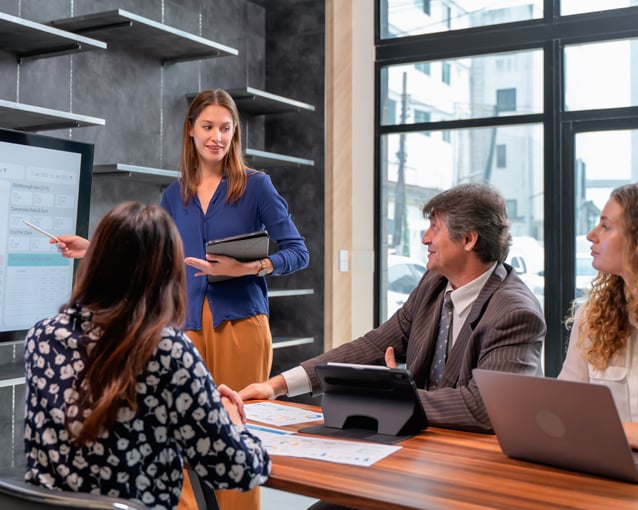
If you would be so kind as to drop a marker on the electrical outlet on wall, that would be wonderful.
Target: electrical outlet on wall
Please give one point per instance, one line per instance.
(343, 261)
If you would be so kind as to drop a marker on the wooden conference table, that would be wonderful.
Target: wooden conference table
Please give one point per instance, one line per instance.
(448, 469)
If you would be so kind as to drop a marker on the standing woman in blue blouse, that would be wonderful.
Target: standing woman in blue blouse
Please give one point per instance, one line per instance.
(218, 196)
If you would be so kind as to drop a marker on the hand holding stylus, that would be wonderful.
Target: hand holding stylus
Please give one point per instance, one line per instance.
(72, 246)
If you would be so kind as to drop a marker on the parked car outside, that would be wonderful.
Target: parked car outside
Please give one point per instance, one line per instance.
(527, 257)
(404, 273)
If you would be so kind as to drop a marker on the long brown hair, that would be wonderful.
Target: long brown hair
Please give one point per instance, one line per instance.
(234, 166)
(612, 300)
(132, 279)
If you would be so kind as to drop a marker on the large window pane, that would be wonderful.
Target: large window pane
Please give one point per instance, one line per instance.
(601, 75)
(604, 160)
(582, 6)
(400, 18)
(474, 87)
(416, 166)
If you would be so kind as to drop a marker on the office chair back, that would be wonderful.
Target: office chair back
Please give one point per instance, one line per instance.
(19, 495)
(204, 495)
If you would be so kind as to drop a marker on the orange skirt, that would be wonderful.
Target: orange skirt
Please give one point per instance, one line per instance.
(237, 354)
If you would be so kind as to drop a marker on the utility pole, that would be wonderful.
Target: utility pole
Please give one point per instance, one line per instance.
(399, 199)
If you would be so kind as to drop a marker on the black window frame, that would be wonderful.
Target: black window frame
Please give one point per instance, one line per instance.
(550, 34)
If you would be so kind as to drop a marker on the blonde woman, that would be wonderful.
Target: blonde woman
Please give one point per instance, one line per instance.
(603, 346)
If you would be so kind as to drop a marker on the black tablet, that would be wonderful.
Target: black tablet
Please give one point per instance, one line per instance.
(369, 402)
(243, 247)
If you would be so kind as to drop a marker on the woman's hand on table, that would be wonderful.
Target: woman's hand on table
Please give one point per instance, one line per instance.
(233, 404)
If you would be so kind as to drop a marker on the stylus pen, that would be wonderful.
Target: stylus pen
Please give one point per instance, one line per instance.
(42, 231)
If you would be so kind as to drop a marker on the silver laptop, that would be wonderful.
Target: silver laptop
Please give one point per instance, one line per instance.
(560, 423)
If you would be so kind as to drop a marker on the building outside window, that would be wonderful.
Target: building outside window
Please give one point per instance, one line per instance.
(447, 16)
(505, 100)
(501, 155)
(446, 73)
(423, 67)
(390, 112)
(418, 17)
(422, 116)
(494, 107)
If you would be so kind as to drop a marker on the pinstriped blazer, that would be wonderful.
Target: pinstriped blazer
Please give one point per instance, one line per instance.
(504, 331)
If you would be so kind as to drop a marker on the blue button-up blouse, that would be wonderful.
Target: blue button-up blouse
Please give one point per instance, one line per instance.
(261, 207)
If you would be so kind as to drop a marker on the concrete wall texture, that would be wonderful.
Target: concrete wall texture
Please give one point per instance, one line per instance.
(281, 46)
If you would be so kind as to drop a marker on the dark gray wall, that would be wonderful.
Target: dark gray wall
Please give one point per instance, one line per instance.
(281, 50)
(295, 42)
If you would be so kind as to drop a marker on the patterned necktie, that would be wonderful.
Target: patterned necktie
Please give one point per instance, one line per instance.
(441, 348)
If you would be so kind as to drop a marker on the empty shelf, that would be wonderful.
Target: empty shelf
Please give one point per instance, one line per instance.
(281, 342)
(11, 374)
(261, 160)
(28, 39)
(272, 293)
(27, 117)
(166, 43)
(136, 173)
(258, 102)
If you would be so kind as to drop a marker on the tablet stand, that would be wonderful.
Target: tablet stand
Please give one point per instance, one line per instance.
(372, 414)
(379, 420)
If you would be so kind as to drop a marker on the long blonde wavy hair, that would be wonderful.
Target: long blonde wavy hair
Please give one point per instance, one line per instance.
(612, 301)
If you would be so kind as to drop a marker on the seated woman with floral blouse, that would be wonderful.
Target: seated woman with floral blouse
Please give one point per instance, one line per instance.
(118, 399)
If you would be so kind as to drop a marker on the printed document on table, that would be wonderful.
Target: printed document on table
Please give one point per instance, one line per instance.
(281, 442)
(278, 414)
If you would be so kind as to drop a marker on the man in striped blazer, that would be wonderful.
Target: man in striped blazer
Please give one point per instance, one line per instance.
(496, 322)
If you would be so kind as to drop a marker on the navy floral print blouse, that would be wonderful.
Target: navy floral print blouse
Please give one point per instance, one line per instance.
(179, 418)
